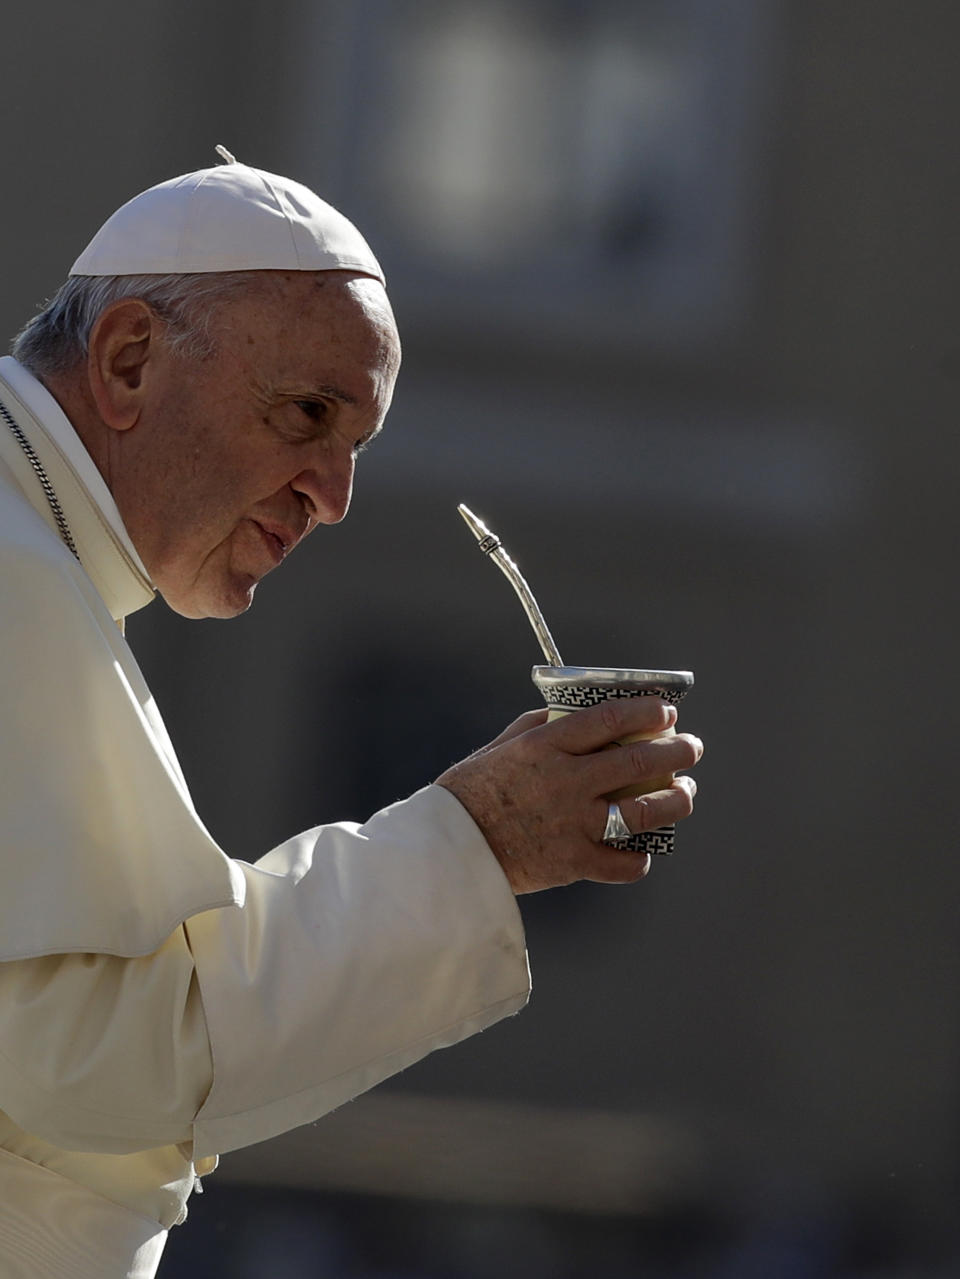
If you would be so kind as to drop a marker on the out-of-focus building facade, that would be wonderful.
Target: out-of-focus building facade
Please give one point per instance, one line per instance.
(677, 283)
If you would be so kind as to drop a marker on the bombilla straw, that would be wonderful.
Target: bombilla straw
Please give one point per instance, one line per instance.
(490, 545)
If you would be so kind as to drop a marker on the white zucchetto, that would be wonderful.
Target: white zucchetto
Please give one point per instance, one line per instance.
(226, 218)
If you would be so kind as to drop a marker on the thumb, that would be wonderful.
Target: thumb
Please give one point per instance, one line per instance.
(522, 724)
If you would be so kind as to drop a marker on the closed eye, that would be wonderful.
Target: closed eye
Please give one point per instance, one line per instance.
(315, 410)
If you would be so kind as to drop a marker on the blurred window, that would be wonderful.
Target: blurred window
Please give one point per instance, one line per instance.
(583, 149)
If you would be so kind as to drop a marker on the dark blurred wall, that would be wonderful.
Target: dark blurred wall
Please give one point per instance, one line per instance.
(772, 506)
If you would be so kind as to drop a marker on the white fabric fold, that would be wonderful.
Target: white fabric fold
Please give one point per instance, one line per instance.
(103, 850)
(159, 1001)
(393, 973)
(54, 426)
(52, 1228)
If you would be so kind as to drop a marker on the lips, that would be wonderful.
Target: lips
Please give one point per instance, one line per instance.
(278, 541)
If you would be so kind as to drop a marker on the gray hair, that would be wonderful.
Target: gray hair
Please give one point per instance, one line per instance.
(58, 337)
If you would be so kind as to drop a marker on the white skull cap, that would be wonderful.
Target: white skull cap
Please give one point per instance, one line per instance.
(228, 218)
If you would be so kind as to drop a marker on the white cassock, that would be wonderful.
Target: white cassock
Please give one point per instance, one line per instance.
(161, 1003)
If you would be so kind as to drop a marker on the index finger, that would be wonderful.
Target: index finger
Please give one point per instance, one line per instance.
(583, 731)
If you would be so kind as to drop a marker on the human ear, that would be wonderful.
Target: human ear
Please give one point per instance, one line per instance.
(120, 348)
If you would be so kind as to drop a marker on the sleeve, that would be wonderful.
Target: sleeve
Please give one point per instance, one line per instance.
(358, 950)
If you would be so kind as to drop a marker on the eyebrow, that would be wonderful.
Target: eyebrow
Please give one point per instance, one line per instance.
(335, 393)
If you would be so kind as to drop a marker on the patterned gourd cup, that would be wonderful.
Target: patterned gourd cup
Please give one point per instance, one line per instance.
(568, 688)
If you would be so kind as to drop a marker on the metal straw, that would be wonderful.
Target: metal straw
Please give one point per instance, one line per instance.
(490, 545)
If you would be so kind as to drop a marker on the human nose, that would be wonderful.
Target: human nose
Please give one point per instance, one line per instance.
(327, 489)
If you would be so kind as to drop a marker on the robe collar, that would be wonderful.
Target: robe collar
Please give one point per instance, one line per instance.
(103, 544)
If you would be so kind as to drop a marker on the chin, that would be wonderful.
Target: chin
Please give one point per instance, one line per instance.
(197, 604)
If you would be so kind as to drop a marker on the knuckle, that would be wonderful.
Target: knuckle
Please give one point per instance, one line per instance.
(686, 750)
(684, 800)
(641, 763)
(644, 815)
(612, 716)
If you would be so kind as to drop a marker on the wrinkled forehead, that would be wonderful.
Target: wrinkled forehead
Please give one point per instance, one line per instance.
(310, 320)
(291, 299)
(346, 308)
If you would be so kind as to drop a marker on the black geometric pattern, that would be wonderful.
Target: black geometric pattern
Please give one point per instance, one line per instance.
(579, 695)
(659, 843)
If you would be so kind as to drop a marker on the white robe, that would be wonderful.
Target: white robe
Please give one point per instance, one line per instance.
(161, 1003)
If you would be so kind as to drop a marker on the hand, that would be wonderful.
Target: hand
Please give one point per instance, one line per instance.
(538, 791)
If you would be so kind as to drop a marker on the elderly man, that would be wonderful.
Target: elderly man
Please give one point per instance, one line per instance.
(185, 411)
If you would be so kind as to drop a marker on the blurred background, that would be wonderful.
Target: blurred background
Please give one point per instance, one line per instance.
(677, 283)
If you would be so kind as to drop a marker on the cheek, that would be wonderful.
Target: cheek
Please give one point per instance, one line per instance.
(201, 512)
(219, 466)
(223, 483)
